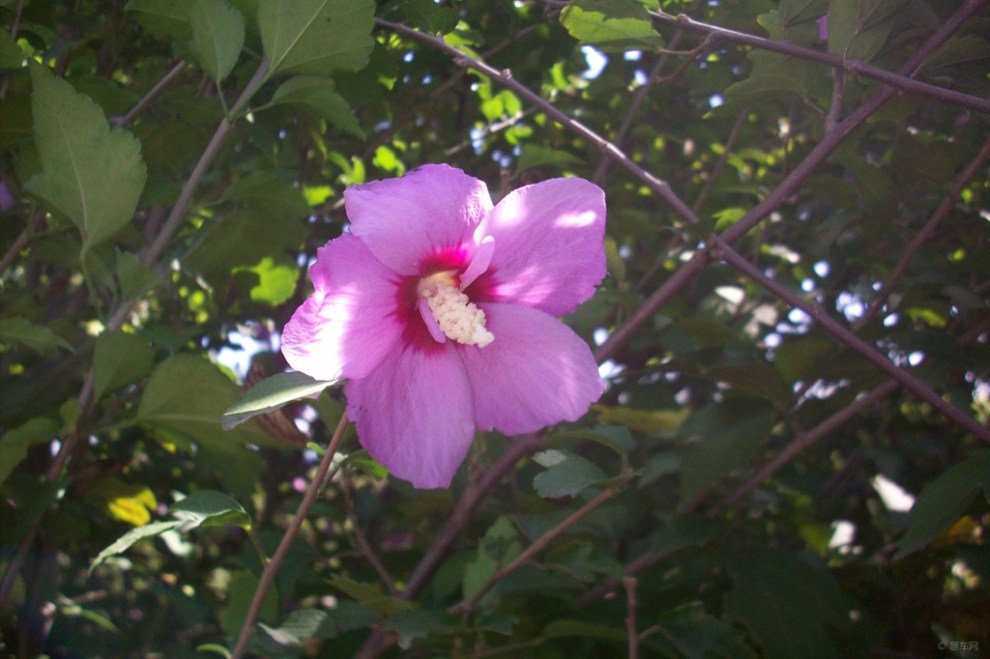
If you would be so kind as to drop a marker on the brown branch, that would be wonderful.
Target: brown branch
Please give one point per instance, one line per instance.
(908, 381)
(538, 545)
(926, 231)
(625, 332)
(362, 540)
(272, 567)
(898, 80)
(810, 438)
(146, 100)
(629, 583)
(22, 239)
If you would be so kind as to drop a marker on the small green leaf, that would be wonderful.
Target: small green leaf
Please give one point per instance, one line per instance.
(497, 548)
(363, 461)
(943, 501)
(37, 337)
(15, 443)
(317, 95)
(206, 508)
(163, 19)
(370, 596)
(11, 56)
(124, 542)
(91, 174)
(426, 15)
(217, 36)
(616, 25)
(534, 155)
(215, 648)
(120, 358)
(270, 394)
(316, 36)
(568, 477)
(297, 627)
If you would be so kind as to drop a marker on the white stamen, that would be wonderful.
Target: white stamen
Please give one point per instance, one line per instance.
(458, 317)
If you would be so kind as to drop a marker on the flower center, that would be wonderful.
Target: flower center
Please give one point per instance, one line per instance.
(453, 314)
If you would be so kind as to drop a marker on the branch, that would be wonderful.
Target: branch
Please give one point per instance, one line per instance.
(629, 583)
(362, 540)
(272, 567)
(661, 188)
(469, 603)
(22, 239)
(898, 80)
(146, 100)
(625, 332)
(922, 236)
(908, 381)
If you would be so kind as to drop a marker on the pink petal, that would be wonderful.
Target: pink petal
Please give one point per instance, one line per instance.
(351, 320)
(414, 413)
(548, 246)
(535, 373)
(404, 221)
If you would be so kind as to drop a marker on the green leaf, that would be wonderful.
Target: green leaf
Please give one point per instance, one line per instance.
(11, 55)
(120, 358)
(568, 476)
(164, 19)
(427, 16)
(858, 29)
(497, 548)
(534, 155)
(316, 36)
(266, 192)
(217, 36)
(206, 508)
(317, 95)
(270, 394)
(276, 283)
(297, 627)
(91, 174)
(787, 605)
(124, 542)
(615, 25)
(371, 596)
(37, 337)
(215, 648)
(15, 443)
(724, 437)
(581, 629)
(694, 634)
(363, 461)
(943, 501)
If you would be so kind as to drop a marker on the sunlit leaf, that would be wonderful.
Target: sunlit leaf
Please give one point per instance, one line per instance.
(125, 541)
(316, 36)
(206, 508)
(610, 24)
(270, 394)
(92, 174)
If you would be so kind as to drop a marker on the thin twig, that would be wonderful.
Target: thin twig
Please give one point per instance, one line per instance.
(272, 567)
(146, 100)
(925, 233)
(538, 545)
(629, 583)
(713, 175)
(810, 438)
(178, 213)
(22, 239)
(819, 315)
(362, 540)
(624, 333)
(897, 80)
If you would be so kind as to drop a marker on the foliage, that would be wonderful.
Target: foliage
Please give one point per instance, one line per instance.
(794, 330)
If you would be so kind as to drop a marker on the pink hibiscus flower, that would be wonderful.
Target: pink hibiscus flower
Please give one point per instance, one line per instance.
(439, 309)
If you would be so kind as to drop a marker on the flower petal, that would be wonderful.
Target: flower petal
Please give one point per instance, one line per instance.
(352, 318)
(548, 246)
(535, 373)
(405, 220)
(414, 414)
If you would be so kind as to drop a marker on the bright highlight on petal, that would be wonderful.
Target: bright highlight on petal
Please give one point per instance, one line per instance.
(440, 311)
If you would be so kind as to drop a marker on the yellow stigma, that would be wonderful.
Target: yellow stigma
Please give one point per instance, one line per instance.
(459, 318)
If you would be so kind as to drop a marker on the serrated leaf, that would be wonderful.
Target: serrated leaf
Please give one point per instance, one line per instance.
(270, 394)
(164, 19)
(91, 174)
(316, 36)
(206, 508)
(217, 36)
(124, 542)
(858, 29)
(317, 95)
(943, 501)
(615, 25)
(427, 15)
(118, 359)
(297, 627)
(37, 337)
(15, 443)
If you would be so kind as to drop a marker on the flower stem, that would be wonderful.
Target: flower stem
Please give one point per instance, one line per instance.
(273, 565)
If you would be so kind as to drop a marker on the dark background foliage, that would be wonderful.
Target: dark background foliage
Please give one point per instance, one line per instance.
(790, 459)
